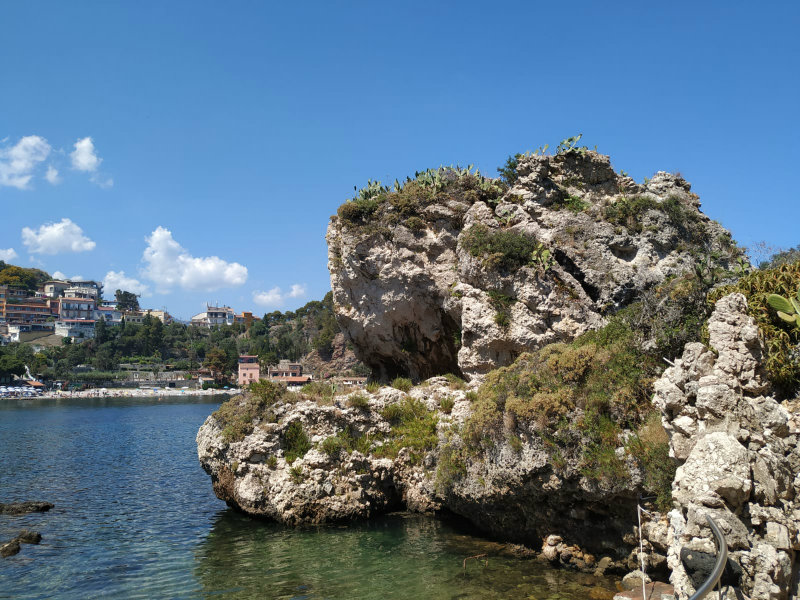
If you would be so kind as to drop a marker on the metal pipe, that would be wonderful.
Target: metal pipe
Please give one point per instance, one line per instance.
(719, 566)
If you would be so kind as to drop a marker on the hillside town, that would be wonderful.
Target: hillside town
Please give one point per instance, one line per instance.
(62, 335)
(72, 309)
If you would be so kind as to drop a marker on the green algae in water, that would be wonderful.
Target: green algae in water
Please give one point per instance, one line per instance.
(399, 556)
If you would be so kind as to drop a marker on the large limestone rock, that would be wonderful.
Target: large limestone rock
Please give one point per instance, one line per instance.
(512, 492)
(739, 454)
(415, 302)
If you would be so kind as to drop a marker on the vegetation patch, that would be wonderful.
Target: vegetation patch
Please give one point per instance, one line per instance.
(320, 391)
(333, 446)
(578, 397)
(238, 415)
(376, 207)
(414, 427)
(402, 383)
(781, 338)
(502, 307)
(358, 401)
(295, 442)
(451, 466)
(456, 383)
(505, 250)
(628, 212)
(572, 203)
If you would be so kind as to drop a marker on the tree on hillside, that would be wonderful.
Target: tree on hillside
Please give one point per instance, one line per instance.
(126, 300)
(29, 279)
(11, 365)
(216, 362)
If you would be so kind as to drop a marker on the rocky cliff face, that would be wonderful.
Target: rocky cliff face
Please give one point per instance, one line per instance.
(463, 274)
(739, 456)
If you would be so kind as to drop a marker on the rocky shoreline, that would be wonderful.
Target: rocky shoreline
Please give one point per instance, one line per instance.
(738, 451)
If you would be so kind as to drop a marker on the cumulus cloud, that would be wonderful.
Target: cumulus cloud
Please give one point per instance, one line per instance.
(7, 254)
(52, 175)
(168, 264)
(54, 238)
(18, 162)
(117, 280)
(61, 277)
(85, 158)
(275, 297)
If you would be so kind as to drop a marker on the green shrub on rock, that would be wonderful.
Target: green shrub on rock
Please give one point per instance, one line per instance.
(358, 401)
(295, 442)
(238, 415)
(505, 250)
(402, 383)
(781, 338)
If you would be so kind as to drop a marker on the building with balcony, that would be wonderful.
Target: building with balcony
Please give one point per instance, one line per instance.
(285, 369)
(161, 315)
(214, 316)
(74, 307)
(76, 329)
(20, 306)
(109, 314)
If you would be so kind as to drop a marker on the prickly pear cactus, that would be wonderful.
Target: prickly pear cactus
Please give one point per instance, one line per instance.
(788, 309)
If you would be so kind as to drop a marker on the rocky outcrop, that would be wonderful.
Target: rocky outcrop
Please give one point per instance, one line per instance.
(255, 476)
(512, 492)
(23, 508)
(25, 536)
(739, 458)
(416, 300)
(341, 359)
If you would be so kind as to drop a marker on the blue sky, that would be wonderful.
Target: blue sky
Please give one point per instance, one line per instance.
(200, 147)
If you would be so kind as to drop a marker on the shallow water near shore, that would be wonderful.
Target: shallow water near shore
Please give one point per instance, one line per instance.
(135, 517)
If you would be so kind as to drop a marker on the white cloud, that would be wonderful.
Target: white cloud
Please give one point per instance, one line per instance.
(18, 162)
(106, 183)
(61, 277)
(54, 238)
(119, 281)
(8, 254)
(298, 290)
(275, 297)
(168, 264)
(271, 298)
(84, 157)
(52, 175)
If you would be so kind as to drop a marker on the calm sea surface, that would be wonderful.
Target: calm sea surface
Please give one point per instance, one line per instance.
(135, 517)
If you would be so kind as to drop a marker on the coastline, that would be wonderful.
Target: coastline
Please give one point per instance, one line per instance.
(122, 393)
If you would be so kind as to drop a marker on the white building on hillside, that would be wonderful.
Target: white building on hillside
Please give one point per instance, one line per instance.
(214, 316)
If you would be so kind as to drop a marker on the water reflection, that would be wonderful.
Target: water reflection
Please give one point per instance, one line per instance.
(398, 556)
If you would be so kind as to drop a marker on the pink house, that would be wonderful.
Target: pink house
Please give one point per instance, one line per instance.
(249, 370)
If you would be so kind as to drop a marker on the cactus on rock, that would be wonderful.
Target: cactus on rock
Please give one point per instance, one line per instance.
(788, 309)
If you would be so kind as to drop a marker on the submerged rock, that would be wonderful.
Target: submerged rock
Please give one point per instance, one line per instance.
(24, 537)
(23, 508)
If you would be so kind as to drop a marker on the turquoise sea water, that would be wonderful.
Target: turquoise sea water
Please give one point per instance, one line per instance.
(135, 517)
